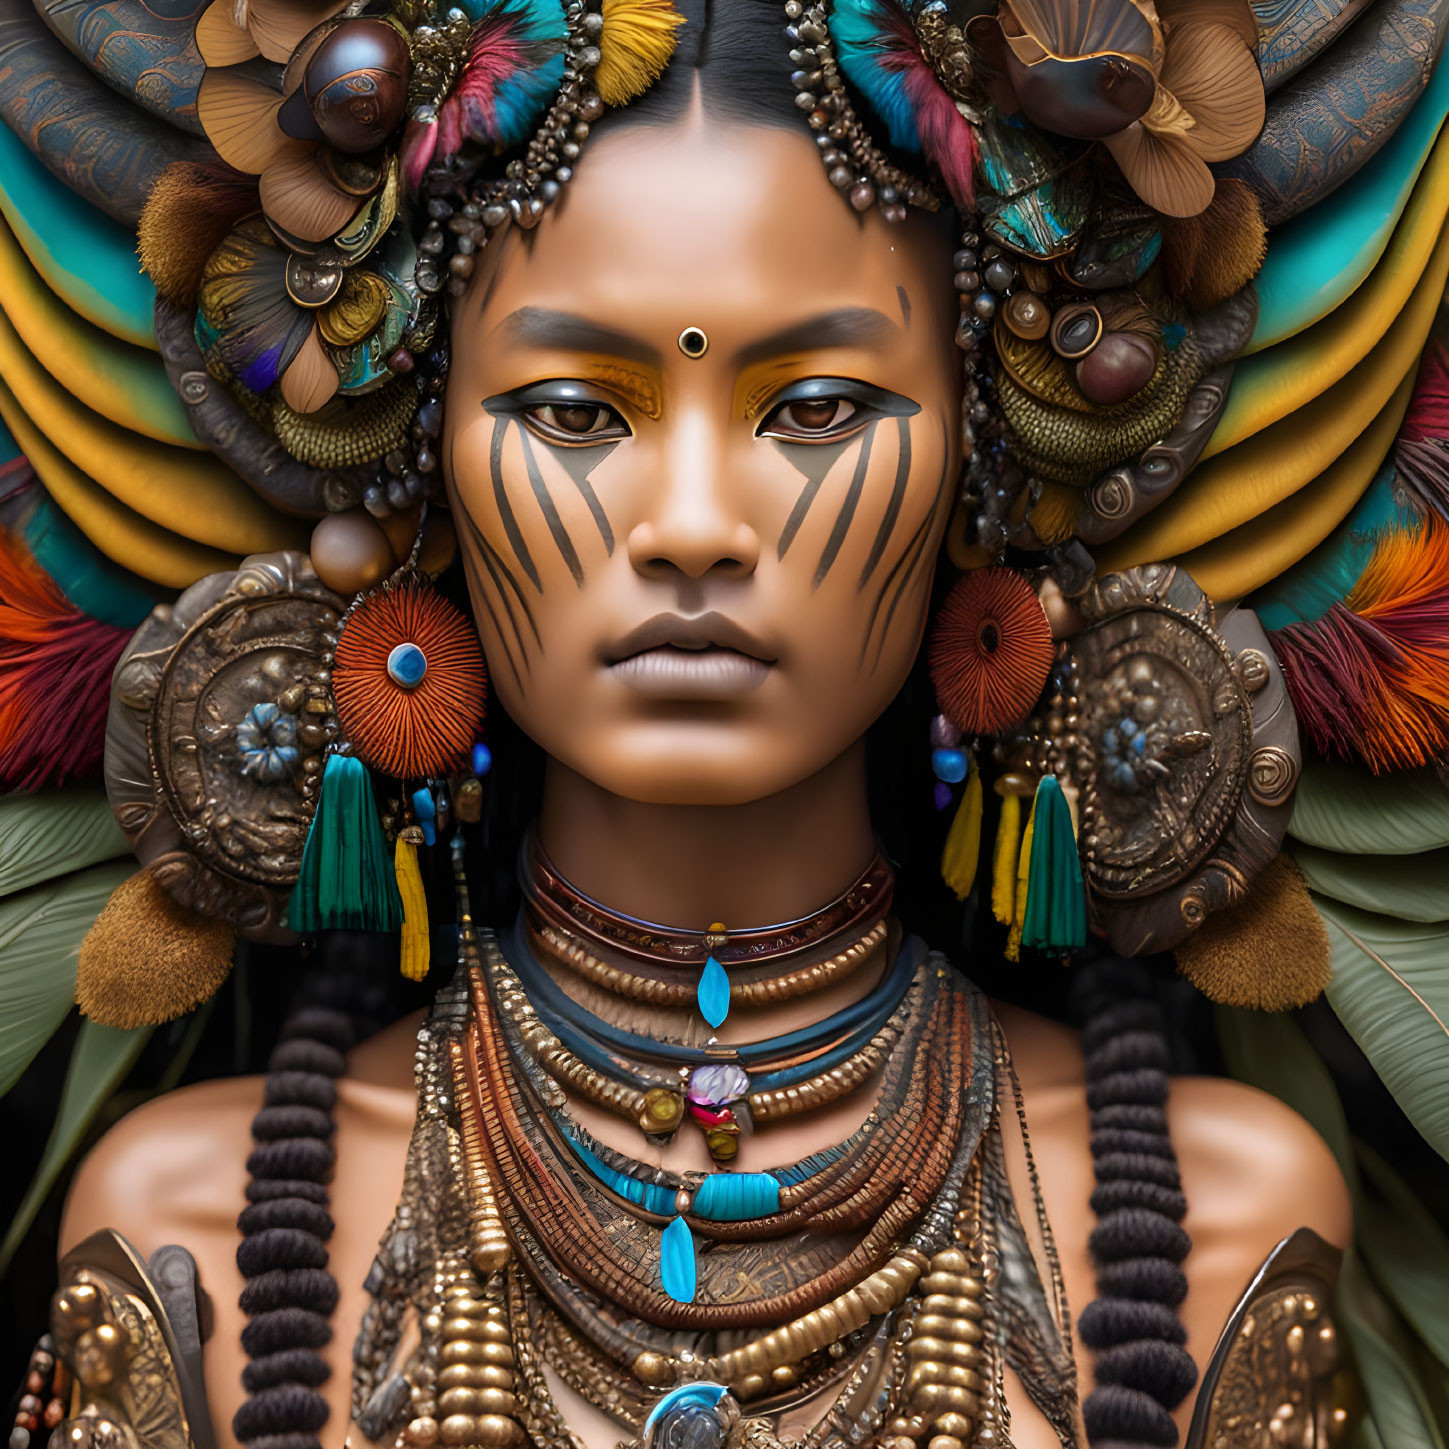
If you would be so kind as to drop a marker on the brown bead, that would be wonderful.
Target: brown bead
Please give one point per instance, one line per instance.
(350, 552)
(421, 1432)
(945, 1441)
(496, 1432)
(663, 1111)
(1120, 366)
(356, 83)
(54, 1413)
(1027, 316)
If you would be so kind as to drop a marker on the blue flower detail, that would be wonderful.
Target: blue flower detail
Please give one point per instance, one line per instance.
(1125, 753)
(266, 740)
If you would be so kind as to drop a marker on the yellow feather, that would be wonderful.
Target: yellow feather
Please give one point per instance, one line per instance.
(962, 850)
(637, 41)
(416, 948)
(1003, 869)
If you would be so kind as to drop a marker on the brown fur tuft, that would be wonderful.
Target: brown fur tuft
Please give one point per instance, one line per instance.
(1209, 257)
(191, 208)
(1269, 953)
(149, 959)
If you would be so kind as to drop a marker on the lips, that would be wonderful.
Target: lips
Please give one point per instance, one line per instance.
(704, 657)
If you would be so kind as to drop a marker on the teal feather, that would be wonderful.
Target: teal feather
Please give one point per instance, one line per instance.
(1309, 589)
(861, 30)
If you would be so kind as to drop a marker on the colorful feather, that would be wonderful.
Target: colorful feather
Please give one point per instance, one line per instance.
(882, 57)
(1370, 679)
(55, 677)
(1422, 451)
(514, 68)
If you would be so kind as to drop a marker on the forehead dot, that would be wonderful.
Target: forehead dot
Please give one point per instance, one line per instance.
(693, 342)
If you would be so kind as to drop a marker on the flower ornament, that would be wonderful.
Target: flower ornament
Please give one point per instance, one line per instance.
(1166, 87)
(266, 740)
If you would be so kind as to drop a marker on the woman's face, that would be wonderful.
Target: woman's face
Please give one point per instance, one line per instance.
(699, 578)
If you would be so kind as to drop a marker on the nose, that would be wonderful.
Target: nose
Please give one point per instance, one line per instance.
(692, 523)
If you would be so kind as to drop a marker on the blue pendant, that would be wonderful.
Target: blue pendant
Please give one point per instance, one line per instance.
(677, 1267)
(714, 993)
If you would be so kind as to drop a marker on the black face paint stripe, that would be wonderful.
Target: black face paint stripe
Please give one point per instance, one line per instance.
(480, 593)
(847, 508)
(496, 566)
(505, 508)
(579, 464)
(814, 462)
(893, 507)
(562, 541)
(904, 298)
(921, 529)
(918, 552)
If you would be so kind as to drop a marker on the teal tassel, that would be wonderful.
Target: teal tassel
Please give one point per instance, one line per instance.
(347, 881)
(1056, 903)
(677, 1267)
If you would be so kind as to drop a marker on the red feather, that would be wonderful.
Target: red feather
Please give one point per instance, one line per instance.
(1421, 454)
(55, 677)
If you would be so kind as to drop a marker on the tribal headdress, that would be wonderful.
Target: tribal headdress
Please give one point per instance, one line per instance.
(1201, 269)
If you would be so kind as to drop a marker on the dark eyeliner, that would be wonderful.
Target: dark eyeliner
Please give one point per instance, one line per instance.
(560, 392)
(864, 394)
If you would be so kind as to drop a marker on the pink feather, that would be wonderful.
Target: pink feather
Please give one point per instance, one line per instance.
(947, 139)
(420, 142)
(495, 55)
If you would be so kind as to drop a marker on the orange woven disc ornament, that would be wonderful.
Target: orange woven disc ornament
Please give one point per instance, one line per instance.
(991, 651)
(408, 680)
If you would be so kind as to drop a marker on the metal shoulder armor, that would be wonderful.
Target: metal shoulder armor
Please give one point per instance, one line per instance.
(131, 1333)
(1272, 1378)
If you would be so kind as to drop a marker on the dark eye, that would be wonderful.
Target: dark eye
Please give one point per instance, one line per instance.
(812, 419)
(576, 422)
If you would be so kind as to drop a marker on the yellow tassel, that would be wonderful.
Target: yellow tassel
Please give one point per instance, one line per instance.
(1003, 866)
(637, 41)
(416, 948)
(1023, 871)
(149, 959)
(962, 851)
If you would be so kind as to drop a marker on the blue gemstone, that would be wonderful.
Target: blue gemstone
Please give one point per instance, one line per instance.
(406, 666)
(952, 766)
(680, 1403)
(677, 1268)
(735, 1197)
(482, 759)
(714, 993)
(427, 813)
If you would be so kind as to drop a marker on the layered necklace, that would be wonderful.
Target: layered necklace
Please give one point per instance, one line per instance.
(874, 1292)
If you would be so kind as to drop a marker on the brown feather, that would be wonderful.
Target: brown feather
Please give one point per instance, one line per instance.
(1209, 257)
(149, 959)
(192, 207)
(1269, 953)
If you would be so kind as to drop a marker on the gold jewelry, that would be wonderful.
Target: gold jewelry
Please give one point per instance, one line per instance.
(569, 950)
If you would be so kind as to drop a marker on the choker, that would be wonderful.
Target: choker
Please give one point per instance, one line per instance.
(552, 901)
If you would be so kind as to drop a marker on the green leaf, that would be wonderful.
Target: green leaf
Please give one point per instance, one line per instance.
(102, 1057)
(1268, 1050)
(1406, 1249)
(54, 833)
(1414, 888)
(1345, 808)
(1390, 989)
(41, 930)
(1396, 1401)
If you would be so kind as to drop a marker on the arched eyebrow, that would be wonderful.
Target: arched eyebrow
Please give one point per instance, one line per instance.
(542, 327)
(845, 327)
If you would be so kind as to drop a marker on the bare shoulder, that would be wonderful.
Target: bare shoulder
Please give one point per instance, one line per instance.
(168, 1171)
(1252, 1168)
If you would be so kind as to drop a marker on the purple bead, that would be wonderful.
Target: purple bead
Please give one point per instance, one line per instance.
(718, 1085)
(944, 734)
(943, 795)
